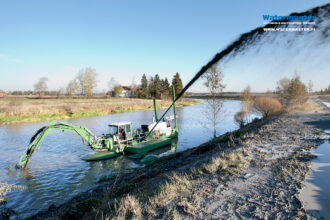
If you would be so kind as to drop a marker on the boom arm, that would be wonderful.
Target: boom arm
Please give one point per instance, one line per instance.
(86, 134)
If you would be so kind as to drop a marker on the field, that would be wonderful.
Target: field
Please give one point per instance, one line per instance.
(229, 96)
(23, 109)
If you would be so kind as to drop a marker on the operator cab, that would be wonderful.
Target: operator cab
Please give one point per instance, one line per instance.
(122, 130)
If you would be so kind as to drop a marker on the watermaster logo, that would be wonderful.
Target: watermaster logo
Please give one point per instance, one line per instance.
(289, 18)
(289, 23)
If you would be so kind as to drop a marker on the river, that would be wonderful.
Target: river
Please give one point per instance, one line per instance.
(316, 193)
(56, 172)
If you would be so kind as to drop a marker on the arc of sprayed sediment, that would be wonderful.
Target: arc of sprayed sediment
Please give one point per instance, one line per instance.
(237, 45)
(217, 58)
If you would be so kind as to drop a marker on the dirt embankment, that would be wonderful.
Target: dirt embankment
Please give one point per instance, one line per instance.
(255, 172)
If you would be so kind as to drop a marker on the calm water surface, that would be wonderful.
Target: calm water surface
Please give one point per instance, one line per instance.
(56, 171)
(316, 193)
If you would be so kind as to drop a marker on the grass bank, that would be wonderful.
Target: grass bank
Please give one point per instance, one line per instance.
(31, 110)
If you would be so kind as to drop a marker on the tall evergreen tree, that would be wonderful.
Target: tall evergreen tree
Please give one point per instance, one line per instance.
(143, 93)
(156, 87)
(151, 88)
(166, 91)
(162, 85)
(177, 83)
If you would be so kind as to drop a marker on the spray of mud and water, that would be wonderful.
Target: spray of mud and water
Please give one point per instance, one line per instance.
(284, 48)
(276, 53)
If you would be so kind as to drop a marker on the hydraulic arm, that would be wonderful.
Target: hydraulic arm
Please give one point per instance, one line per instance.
(94, 142)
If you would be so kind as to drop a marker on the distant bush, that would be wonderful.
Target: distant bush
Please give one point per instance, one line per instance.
(292, 91)
(267, 106)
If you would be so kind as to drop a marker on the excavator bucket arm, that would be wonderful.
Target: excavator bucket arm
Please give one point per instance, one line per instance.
(93, 141)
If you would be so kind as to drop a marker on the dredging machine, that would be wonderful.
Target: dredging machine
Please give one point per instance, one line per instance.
(120, 139)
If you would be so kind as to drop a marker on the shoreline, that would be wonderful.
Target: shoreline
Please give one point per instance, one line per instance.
(57, 116)
(250, 172)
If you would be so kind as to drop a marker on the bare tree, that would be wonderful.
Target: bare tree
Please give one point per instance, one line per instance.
(247, 100)
(112, 83)
(87, 81)
(72, 88)
(310, 87)
(282, 86)
(241, 117)
(213, 81)
(133, 86)
(41, 86)
(61, 91)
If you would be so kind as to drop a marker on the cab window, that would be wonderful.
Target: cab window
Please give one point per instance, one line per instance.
(128, 128)
(113, 130)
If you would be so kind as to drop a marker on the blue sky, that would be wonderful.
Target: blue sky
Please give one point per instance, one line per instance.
(123, 39)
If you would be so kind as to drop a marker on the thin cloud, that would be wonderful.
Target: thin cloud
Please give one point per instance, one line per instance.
(7, 57)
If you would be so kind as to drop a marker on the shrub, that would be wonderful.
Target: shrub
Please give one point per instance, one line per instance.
(267, 106)
(240, 118)
(292, 91)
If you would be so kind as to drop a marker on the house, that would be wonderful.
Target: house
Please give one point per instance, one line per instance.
(127, 92)
(2, 93)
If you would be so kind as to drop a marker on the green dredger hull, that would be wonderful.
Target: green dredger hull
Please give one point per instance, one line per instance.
(140, 148)
(101, 156)
(149, 146)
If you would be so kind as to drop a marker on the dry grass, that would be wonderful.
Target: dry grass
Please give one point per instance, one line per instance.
(19, 109)
(223, 162)
(170, 190)
(309, 106)
(177, 189)
(128, 207)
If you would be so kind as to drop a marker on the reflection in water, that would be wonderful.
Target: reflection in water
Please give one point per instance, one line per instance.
(316, 194)
(56, 172)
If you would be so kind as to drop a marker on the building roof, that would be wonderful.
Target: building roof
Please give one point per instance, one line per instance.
(127, 87)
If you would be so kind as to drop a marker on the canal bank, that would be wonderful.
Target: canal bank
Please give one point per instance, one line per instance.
(255, 172)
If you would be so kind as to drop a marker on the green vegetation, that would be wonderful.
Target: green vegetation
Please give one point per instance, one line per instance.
(177, 83)
(292, 91)
(158, 88)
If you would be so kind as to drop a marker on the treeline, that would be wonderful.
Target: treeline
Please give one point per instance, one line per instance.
(84, 84)
(325, 91)
(30, 92)
(158, 88)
